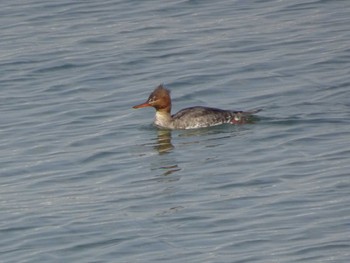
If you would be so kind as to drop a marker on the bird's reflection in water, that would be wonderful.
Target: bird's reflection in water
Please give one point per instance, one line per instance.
(168, 170)
(163, 144)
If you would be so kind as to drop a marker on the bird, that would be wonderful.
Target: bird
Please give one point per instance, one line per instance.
(192, 117)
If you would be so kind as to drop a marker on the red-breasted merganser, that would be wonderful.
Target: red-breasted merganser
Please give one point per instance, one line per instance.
(190, 118)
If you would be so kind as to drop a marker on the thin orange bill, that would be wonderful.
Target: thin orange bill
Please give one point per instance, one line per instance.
(143, 105)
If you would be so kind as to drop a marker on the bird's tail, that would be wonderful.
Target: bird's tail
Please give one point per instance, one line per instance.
(242, 117)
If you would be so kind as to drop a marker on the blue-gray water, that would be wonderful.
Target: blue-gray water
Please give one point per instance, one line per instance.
(85, 178)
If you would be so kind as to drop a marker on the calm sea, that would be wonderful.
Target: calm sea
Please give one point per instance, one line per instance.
(86, 178)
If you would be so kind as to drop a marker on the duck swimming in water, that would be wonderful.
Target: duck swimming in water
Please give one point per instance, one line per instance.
(193, 117)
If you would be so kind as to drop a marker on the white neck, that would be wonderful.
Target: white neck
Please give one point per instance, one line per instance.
(163, 119)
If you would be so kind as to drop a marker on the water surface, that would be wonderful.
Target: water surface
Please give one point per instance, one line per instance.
(85, 178)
